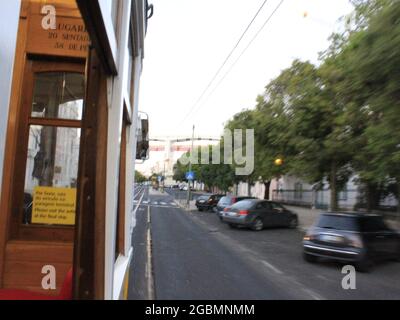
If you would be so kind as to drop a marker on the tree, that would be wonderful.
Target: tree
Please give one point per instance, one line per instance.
(212, 175)
(366, 59)
(305, 126)
(139, 177)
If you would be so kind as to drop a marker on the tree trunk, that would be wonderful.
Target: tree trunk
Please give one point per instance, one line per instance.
(266, 191)
(333, 187)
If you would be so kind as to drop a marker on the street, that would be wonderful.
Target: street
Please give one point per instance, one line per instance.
(192, 255)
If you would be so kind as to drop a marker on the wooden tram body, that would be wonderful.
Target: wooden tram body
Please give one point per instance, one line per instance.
(68, 144)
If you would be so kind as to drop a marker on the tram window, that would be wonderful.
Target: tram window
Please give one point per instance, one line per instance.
(47, 159)
(51, 175)
(58, 95)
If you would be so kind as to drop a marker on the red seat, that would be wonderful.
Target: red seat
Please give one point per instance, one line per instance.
(65, 292)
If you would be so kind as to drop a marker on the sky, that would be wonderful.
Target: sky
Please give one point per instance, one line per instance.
(188, 40)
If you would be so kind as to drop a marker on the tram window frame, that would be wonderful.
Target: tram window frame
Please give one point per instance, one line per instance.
(18, 230)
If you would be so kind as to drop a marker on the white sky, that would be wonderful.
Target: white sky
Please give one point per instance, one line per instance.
(187, 41)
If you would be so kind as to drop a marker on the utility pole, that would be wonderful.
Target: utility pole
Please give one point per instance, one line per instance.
(190, 169)
(163, 181)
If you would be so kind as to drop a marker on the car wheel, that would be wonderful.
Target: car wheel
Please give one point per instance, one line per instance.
(200, 209)
(258, 225)
(293, 223)
(232, 225)
(309, 258)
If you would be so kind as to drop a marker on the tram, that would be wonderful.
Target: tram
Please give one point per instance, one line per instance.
(69, 82)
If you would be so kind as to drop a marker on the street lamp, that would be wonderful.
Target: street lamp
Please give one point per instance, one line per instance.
(278, 161)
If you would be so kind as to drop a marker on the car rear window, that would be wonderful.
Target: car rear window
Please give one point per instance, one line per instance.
(225, 200)
(338, 222)
(244, 204)
(203, 197)
(372, 224)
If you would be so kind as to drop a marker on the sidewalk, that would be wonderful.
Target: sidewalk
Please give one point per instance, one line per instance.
(183, 204)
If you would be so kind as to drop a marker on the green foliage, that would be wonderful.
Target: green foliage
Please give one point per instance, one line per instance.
(139, 177)
(212, 175)
(333, 120)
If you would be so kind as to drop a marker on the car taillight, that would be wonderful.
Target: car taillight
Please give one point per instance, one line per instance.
(243, 212)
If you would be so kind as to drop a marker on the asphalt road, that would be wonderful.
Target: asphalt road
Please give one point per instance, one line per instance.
(195, 256)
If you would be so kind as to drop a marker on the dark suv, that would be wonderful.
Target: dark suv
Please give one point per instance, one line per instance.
(208, 201)
(354, 238)
(228, 201)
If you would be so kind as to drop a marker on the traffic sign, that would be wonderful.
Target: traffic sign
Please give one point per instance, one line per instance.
(190, 175)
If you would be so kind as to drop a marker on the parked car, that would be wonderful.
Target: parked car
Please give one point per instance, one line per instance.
(208, 201)
(354, 238)
(258, 214)
(228, 201)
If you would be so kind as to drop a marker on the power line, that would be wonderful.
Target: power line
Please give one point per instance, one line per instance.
(241, 54)
(226, 60)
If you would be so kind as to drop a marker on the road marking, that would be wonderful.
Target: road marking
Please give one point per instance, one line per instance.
(149, 268)
(270, 266)
(160, 206)
(285, 277)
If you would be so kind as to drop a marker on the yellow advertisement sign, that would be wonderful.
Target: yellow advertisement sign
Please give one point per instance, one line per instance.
(54, 206)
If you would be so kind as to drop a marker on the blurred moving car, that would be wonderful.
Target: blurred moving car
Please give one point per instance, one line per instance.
(359, 239)
(258, 214)
(208, 201)
(228, 201)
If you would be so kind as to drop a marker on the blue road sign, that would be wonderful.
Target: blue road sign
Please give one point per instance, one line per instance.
(190, 175)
